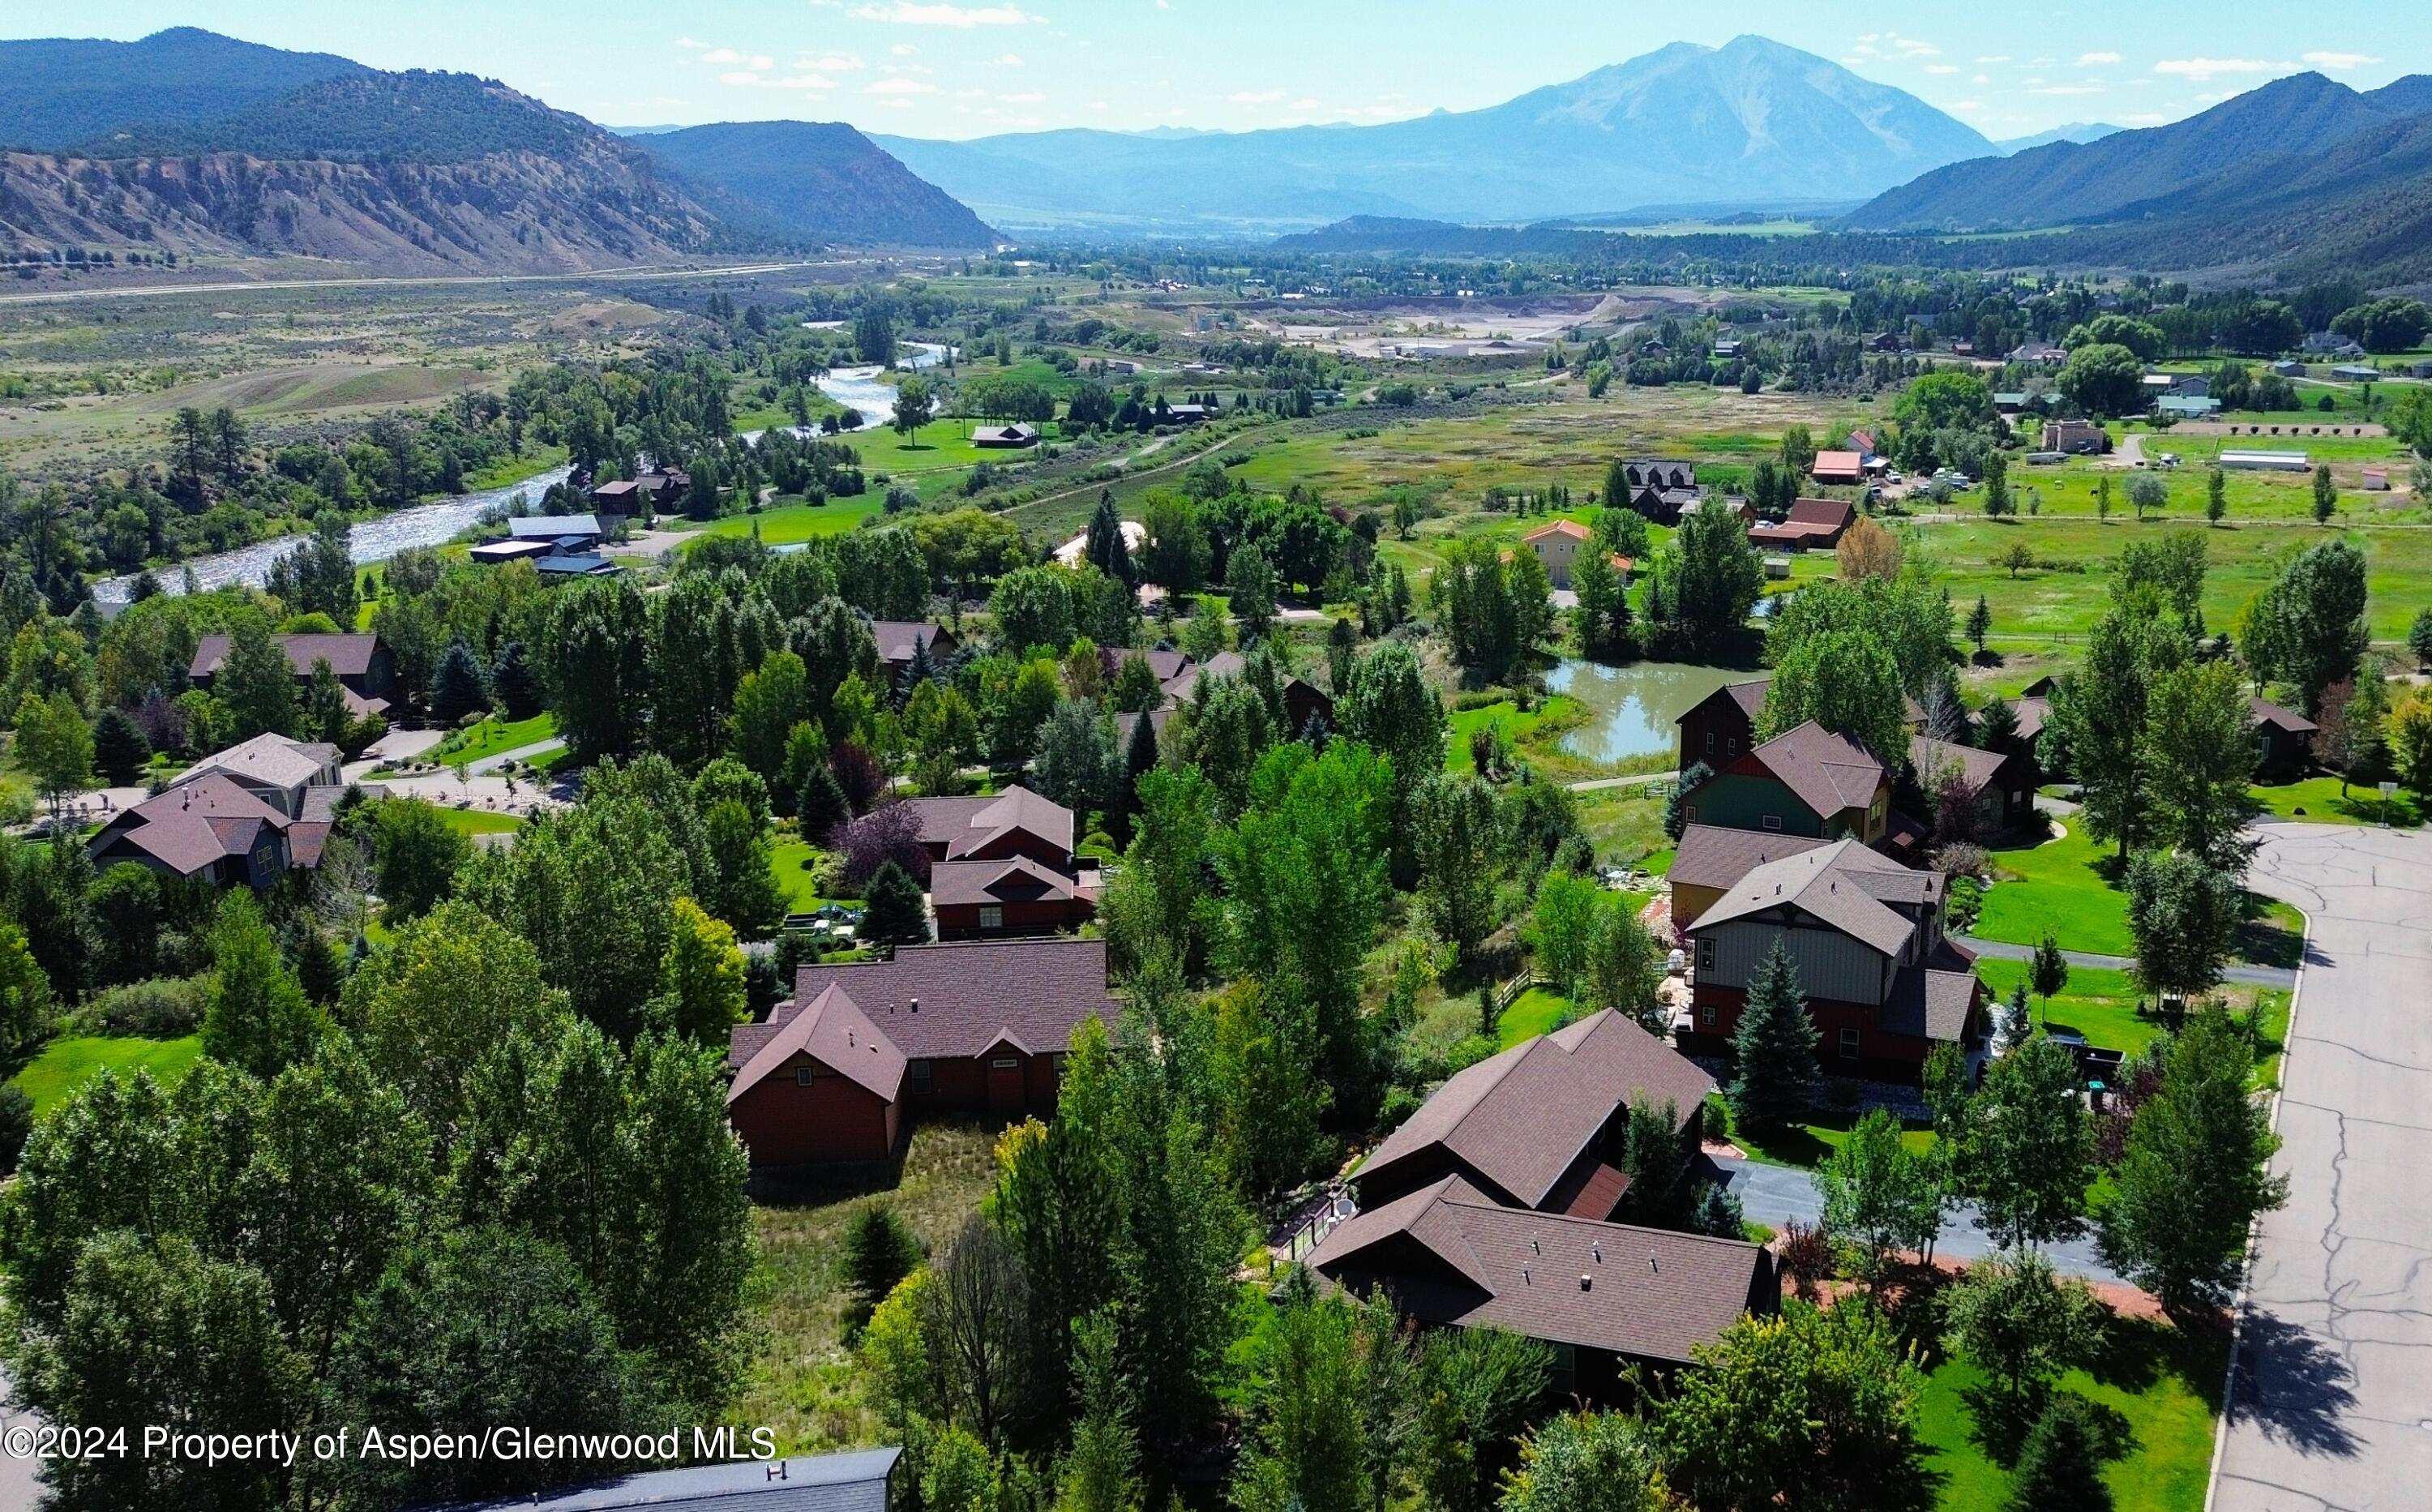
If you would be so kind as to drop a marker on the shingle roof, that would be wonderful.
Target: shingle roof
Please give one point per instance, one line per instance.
(267, 757)
(1749, 696)
(2032, 713)
(1164, 666)
(192, 824)
(1650, 1292)
(1834, 513)
(967, 824)
(1977, 768)
(347, 655)
(1712, 857)
(1521, 1119)
(1571, 528)
(1932, 1000)
(854, 1481)
(1019, 880)
(898, 638)
(1828, 771)
(1843, 885)
(837, 1034)
(956, 1000)
(2267, 712)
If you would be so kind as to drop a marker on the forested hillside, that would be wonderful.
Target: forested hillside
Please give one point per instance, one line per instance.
(58, 91)
(820, 179)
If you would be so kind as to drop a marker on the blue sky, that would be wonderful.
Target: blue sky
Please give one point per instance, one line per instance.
(959, 68)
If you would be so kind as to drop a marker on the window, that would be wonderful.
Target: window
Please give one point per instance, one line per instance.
(1849, 1044)
(1734, 744)
(1706, 954)
(1006, 1062)
(1709, 742)
(805, 1075)
(991, 916)
(1772, 822)
(920, 1074)
(1706, 1015)
(1689, 814)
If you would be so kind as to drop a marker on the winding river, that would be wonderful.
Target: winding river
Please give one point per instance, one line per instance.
(442, 520)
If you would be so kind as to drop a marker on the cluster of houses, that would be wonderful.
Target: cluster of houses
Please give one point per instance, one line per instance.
(557, 545)
(238, 818)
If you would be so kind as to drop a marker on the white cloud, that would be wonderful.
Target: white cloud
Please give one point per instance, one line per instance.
(1009, 60)
(1911, 47)
(1942, 68)
(689, 46)
(830, 62)
(907, 13)
(2204, 68)
(788, 81)
(905, 49)
(970, 94)
(1304, 105)
(721, 55)
(899, 86)
(1260, 97)
(1968, 107)
(1982, 79)
(1995, 57)
(2337, 61)
(2071, 89)
(2096, 59)
(1026, 97)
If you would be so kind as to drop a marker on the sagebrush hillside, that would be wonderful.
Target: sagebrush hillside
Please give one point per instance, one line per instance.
(58, 91)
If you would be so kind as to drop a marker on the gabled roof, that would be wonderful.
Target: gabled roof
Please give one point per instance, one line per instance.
(1650, 1292)
(837, 1034)
(2033, 713)
(347, 655)
(191, 825)
(964, 825)
(1832, 512)
(1571, 528)
(1977, 767)
(1836, 464)
(1019, 880)
(1521, 1119)
(267, 759)
(1842, 885)
(955, 1001)
(1931, 999)
(1749, 696)
(899, 639)
(1828, 772)
(1716, 857)
(1164, 666)
(2267, 712)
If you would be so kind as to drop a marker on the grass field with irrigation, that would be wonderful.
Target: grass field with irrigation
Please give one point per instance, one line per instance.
(69, 1063)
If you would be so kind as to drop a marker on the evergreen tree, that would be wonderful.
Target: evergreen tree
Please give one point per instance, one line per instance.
(514, 682)
(1675, 817)
(119, 748)
(1140, 758)
(1774, 1080)
(1980, 624)
(1106, 550)
(879, 1251)
(256, 681)
(1102, 1471)
(2060, 1464)
(895, 912)
(457, 688)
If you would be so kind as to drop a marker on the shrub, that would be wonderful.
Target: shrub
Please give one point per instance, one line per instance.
(1967, 901)
(1961, 858)
(1806, 1255)
(16, 1125)
(161, 1008)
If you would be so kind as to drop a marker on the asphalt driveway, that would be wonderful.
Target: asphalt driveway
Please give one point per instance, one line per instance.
(2331, 1401)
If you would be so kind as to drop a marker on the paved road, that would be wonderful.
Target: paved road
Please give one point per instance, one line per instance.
(1775, 1195)
(2331, 1406)
(2003, 950)
(20, 1485)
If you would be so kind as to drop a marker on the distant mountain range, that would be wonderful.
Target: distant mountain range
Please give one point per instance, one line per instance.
(2080, 132)
(197, 143)
(825, 182)
(2302, 176)
(1748, 123)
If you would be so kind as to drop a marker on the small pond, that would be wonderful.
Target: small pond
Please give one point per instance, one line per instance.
(1631, 709)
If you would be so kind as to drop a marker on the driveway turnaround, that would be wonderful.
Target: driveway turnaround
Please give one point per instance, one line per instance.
(1776, 1194)
(2330, 1404)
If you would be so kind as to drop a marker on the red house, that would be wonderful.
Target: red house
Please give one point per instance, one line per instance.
(1883, 985)
(993, 899)
(998, 827)
(840, 1074)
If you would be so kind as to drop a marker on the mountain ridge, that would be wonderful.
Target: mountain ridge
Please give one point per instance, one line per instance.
(1748, 121)
(826, 180)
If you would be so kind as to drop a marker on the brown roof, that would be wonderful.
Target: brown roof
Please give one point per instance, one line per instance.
(1019, 880)
(1164, 666)
(955, 1001)
(1648, 1293)
(1832, 514)
(966, 825)
(2033, 713)
(2267, 712)
(1560, 527)
(898, 638)
(1749, 696)
(269, 759)
(192, 824)
(1932, 999)
(1977, 768)
(1828, 772)
(1521, 1119)
(1712, 857)
(1842, 885)
(347, 655)
(837, 1034)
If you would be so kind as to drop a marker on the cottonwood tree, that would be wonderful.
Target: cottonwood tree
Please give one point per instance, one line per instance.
(2100, 714)
(2027, 1148)
(2184, 916)
(2199, 757)
(2195, 1176)
(2307, 629)
(1587, 1462)
(1453, 834)
(2012, 1319)
(1879, 1195)
(1848, 683)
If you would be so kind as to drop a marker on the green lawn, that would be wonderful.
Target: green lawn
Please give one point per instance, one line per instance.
(494, 737)
(2318, 799)
(2164, 1384)
(794, 861)
(785, 524)
(2102, 1006)
(66, 1065)
(480, 821)
(1517, 725)
(1803, 1144)
(2055, 888)
(1538, 1010)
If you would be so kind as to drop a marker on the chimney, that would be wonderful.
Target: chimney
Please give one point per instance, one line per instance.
(1532, 1248)
(1650, 1260)
(776, 1472)
(1586, 1281)
(916, 1005)
(1597, 1250)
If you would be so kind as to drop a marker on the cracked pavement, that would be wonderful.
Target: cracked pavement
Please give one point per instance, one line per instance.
(2331, 1401)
